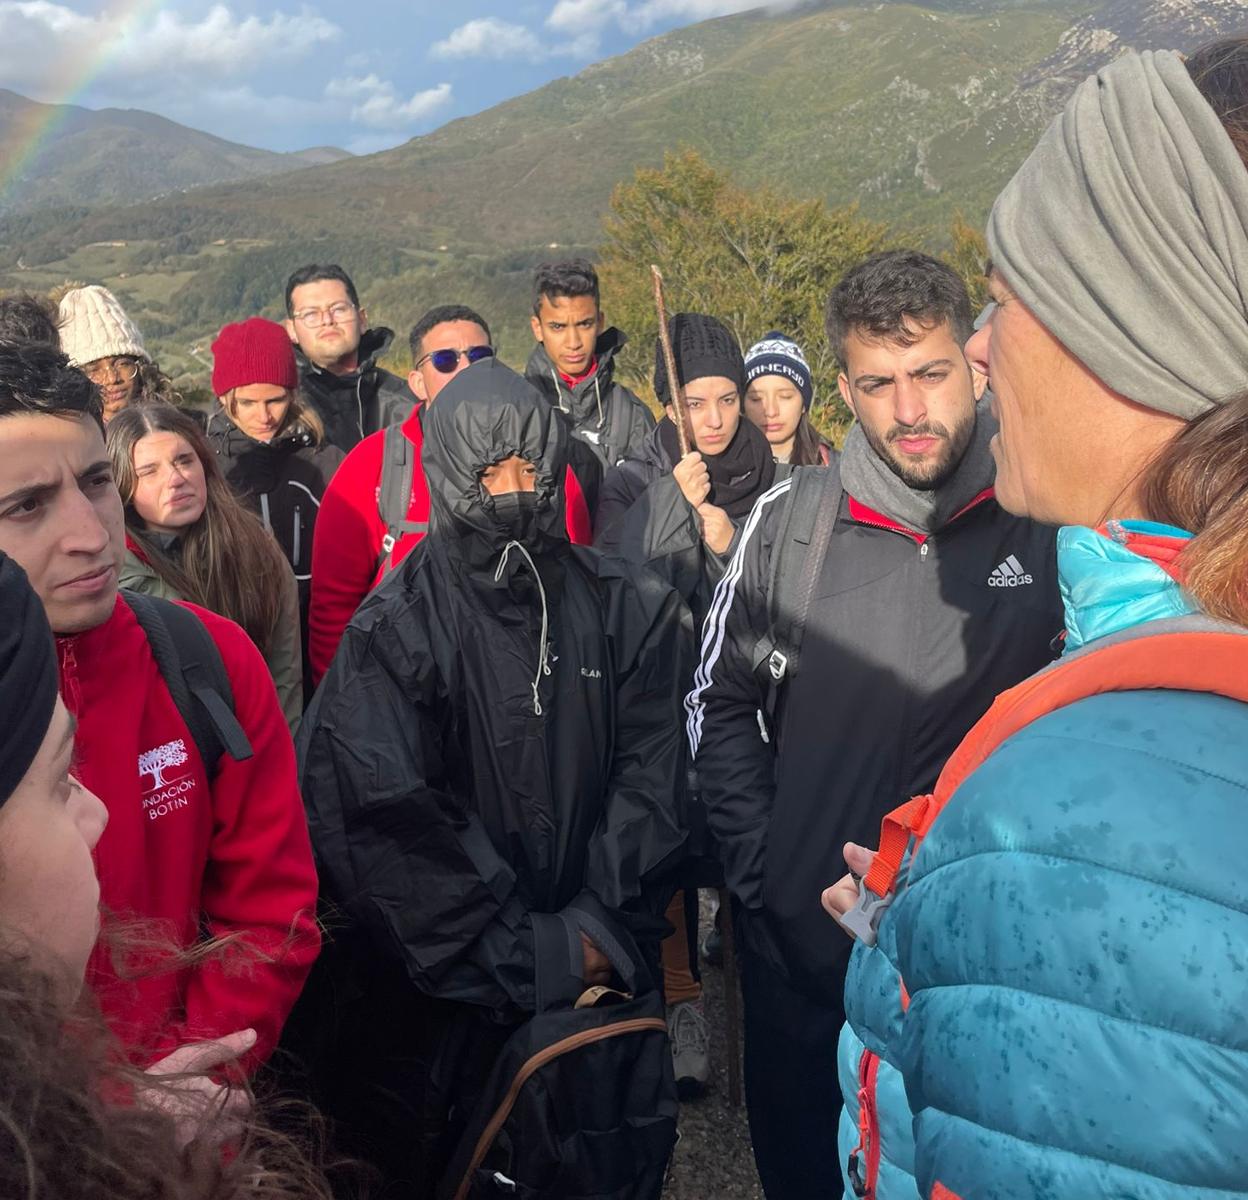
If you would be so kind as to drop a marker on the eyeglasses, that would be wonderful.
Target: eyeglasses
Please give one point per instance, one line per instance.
(335, 314)
(105, 370)
(445, 361)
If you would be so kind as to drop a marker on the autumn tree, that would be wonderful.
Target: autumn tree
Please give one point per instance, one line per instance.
(968, 255)
(755, 258)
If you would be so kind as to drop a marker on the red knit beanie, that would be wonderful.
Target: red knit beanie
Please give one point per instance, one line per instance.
(253, 351)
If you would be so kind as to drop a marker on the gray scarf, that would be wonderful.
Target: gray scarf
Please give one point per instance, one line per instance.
(870, 480)
(1126, 233)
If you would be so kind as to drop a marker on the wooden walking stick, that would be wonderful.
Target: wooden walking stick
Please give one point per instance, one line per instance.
(669, 365)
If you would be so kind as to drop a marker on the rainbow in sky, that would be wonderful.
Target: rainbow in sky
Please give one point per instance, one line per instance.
(64, 82)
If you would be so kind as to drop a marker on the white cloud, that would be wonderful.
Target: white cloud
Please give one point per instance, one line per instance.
(376, 102)
(585, 21)
(488, 37)
(45, 46)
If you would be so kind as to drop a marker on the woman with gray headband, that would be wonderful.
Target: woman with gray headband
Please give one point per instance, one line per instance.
(1068, 912)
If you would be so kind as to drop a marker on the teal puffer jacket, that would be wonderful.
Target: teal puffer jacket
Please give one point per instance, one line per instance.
(1074, 939)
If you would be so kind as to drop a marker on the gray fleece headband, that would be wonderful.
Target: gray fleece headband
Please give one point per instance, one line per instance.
(1125, 233)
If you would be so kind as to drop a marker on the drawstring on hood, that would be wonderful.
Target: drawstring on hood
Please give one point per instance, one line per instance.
(575, 399)
(554, 374)
(543, 644)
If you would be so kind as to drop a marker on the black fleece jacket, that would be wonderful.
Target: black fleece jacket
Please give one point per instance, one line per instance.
(361, 402)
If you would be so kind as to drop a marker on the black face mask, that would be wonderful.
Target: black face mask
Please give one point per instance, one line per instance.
(516, 513)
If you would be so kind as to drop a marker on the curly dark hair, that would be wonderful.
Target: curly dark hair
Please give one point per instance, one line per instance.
(155, 386)
(36, 378)
(69, 1126)
(884, 295)
(29, 318)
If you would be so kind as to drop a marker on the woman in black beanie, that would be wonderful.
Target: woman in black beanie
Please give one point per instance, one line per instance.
(681, 514)
(49, 823)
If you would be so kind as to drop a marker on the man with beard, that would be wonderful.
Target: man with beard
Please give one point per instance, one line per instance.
(924, 599)
(499, 737)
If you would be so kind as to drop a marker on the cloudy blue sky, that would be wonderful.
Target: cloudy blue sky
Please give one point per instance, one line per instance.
(362, 74)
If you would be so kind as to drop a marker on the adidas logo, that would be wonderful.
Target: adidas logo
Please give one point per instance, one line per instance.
(1008, 574)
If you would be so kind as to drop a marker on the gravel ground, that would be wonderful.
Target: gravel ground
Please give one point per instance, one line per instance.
(713, 1160)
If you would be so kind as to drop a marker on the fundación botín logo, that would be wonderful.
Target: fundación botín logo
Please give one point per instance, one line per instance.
(170, 790)
(1010, 573)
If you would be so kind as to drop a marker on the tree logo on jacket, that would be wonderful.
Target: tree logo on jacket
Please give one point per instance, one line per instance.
(167, 793)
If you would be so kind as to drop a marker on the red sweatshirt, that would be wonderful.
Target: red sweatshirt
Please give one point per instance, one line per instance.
(349, 533)
(230, 858)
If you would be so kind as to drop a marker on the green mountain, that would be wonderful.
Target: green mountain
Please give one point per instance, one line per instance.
(118, 156)
(912, 110)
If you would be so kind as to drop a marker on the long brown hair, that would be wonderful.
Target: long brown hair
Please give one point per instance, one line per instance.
(1199, 481)
(299, 412)
(229, 563)
(69, 1125)
(807, 445)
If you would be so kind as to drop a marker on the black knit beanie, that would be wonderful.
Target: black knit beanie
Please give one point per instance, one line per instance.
(28, 676)
(702, 346)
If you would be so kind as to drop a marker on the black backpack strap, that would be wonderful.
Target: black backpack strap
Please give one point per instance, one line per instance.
(194, 672)
(398, 464)
(796, 564)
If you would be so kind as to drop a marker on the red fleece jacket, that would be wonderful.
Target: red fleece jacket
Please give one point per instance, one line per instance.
(232, 857)
(349, 532)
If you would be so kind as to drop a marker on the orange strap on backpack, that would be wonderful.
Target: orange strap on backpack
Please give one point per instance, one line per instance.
(1192, 661)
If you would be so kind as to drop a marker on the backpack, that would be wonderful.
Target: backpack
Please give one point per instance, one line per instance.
(581, 1104)
(1193, 654)
(194, 672)
(797, 560)
(398, 465)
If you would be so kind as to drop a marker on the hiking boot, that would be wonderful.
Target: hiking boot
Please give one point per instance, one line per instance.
(686, 1026)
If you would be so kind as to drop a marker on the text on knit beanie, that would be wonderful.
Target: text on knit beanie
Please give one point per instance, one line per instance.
(94, 325)
(777, 354)
(1126, 234)
(253, 351)
(702, 346)
(28, 677)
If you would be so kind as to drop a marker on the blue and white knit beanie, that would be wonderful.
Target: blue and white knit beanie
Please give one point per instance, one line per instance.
(777, 354)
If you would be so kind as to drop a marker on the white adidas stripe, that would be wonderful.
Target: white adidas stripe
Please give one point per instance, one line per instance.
(717, 617)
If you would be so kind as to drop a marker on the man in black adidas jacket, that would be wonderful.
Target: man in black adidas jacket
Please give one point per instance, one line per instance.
(929, 600)
(500, 735)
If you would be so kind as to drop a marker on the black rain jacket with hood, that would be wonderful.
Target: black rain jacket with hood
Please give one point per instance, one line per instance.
(501, 728)
(604, 414)
(361, 402)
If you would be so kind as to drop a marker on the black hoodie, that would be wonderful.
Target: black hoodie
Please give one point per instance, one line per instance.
(604, 414)
(501, 728)
(353, 405)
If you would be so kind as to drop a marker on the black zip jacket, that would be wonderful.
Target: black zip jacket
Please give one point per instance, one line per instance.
(282, 482)
(361, 402)
(502, 728)
(905, 646)
(605, 415)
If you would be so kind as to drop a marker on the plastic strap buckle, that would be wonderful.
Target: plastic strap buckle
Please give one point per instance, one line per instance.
(387, 543)
(777, 664)
(863, 919)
